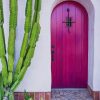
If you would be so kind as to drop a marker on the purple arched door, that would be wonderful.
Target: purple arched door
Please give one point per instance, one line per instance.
(69, 46)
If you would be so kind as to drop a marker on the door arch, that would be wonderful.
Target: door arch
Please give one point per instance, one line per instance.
(69, 45)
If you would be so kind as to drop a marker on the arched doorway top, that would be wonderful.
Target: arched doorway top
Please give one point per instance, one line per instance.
(87, 4)
(75, 3)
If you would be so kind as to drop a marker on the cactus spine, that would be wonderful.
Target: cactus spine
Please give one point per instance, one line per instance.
(12, 36)
(2, 46)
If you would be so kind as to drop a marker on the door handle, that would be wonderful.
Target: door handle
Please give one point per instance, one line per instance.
(52, 46)
(52, 53)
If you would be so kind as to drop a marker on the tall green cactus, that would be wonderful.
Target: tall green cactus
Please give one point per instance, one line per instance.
(2, 46)
(12, 37)
(27, 28)
(31, 35)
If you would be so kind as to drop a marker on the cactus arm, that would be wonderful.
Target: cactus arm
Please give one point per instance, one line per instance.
(4, 70)
(28, 58)
(2, 47)
(12, 37)
(37, 9)
(37, 6)
(1, 13)
(1, 87)
(27, 28)
(31, 46)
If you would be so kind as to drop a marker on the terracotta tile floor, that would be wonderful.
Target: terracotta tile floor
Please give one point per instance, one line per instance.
(70, 94)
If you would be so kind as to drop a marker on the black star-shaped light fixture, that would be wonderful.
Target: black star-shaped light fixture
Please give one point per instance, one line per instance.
(68, 21)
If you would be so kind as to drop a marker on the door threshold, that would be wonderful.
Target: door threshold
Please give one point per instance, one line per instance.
(69, 89)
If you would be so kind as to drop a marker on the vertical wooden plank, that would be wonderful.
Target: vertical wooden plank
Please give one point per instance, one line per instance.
(16, 96)
(65, 47)
(72, 35)
(78, 47)
(20, 96)
(48, 96)
(32, 95)
(84, 70)
(36, 96)
(59, 46)
(53, 48)
(42, 96)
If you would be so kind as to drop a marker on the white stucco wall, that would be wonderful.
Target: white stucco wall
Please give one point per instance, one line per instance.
(96, 76)
(38, 76)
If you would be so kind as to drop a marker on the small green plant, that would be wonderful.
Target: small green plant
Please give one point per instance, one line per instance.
(27, 96)
(10, 78)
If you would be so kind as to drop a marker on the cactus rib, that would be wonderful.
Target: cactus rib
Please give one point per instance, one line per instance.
(2, 47)
(1, 87)
(12, 37)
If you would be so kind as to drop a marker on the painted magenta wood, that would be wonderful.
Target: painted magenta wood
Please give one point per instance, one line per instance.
(69, 46)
